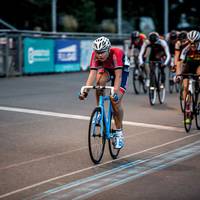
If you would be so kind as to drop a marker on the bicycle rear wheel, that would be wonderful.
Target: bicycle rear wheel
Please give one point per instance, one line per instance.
(188, 112)
(96, 136)
(113, 152)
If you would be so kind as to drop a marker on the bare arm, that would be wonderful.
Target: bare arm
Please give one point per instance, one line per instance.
(176, 57)
(118, 77)
(91, 77)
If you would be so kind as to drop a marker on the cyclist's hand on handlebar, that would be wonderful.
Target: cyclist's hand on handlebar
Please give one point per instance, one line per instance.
(83, 95)
(173, 68)
(163, 65)
(115, 97)
(142, 65)
(177, 79)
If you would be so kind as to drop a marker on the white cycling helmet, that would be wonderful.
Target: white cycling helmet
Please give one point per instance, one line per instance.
(101, 44)
(193, 36)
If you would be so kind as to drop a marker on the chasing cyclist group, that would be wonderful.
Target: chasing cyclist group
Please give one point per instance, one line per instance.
(178, 50)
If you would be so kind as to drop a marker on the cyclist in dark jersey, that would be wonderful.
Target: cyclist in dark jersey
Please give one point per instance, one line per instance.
(155, 49)
(181, 43)
(110, 64)
(171, 39)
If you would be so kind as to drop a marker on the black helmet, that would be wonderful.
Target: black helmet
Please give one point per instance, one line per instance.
(182, 35)
(173, 35)
(135, 34)
(153, 37)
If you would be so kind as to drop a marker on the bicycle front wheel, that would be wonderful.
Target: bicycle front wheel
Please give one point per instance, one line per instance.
(181, 100)
(111, 142)
(96, 136)
(188, 112)
(171, 83)
(161, 90)
(136, 80)
(197, 113)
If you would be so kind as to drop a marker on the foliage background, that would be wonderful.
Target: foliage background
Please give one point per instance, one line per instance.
(95, 15)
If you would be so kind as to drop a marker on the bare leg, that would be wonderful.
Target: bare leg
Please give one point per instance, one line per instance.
(118, 113)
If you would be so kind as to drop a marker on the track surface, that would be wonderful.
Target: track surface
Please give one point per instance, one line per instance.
(44, 152)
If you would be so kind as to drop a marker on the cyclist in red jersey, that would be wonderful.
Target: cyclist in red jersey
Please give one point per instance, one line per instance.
(109, 64)
(136, 42)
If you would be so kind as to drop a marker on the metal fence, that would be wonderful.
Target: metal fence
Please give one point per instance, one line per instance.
(11, 46)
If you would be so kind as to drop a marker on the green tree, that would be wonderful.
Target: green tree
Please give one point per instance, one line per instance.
(86, 16)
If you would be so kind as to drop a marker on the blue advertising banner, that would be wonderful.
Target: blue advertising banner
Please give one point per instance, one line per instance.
(38, 55)
(67, 55)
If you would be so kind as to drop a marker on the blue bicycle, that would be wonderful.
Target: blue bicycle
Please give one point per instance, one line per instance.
(101, 126)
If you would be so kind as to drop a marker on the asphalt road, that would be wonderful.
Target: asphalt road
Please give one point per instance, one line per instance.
(44, 152)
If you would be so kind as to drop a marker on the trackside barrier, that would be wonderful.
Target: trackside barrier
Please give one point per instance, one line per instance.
(26, 52)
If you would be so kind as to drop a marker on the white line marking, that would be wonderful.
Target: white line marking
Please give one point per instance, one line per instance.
(95, 166)
(60, 154)
(41, 158)
(69, 116)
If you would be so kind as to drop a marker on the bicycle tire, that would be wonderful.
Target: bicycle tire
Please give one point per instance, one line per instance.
(136, 81)
(143, 81)
(161, 91)
(96, 139)
(152, 96)
(181, 100)
(197, 110)
(171, 83)
(113, 152)
(152, 89)
(171, 87)
(188, 113)
(177, 87)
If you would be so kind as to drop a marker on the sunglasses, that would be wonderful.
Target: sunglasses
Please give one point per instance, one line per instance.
(100, 52)
(194, 44)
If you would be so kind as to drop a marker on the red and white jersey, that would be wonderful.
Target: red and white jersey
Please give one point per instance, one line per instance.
(138, 43)
(114, 61)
